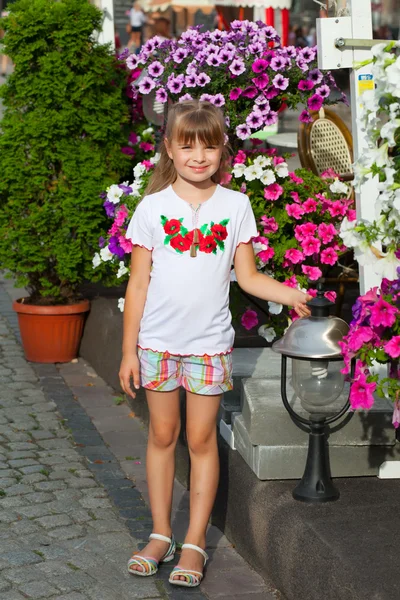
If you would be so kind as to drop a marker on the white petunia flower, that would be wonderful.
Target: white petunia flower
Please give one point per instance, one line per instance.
(96, 260)
(263, 161)
(148, 130)
(122, 270)
(114, 194)
(387, 266)
(282, 170)
(275, 308)
(388, 131)
(268, 333)
(105, 254)
(238, 170)
(347, 232)
(253, 172)
(338, 187)
(121, 304)
(154, 159)
(268, 177)
(139, 170)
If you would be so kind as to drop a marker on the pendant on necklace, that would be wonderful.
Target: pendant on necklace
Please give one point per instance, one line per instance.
(195, 243)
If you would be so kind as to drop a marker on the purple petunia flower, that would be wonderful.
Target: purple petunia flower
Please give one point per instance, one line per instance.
(103, 195)
(206, 98)
(315, 76)
(161, 95)
(146, 85)
(280, 82)
(203, 79)
(271, 93)
(191, 81)
(305, 85)
(254, 120)
(180, 55)
(259, 65)
(218, 100)
(243, 131)
(175, 84)
(301, 63)
(102, 241)
(261, 81)
(305, 117)
(109, 207)
(213, 60)
(250, 92)
(226, 55)
(308, 54)
(278, 63)
(185, 97)
(124, 54)
(256, 48)
(115, 248)
(271, 118)
(235, 93)
(315, 102)
(156, 69)
(291, 51)
(323, 91)
(237, 67)
(132, 62)
(125, 188)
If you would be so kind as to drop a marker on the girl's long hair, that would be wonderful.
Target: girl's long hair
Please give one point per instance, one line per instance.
(188, 121)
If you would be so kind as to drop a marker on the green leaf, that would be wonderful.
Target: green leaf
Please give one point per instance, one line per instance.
(183, 230)
(167, 240)
(163, 220)
(224, 222)
(220, 245)
(203, 228)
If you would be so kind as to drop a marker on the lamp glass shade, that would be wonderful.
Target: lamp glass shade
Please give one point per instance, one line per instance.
(318, 383)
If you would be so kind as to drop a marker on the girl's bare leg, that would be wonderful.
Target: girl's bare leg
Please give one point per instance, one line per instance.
(201, 416)
(160, 464)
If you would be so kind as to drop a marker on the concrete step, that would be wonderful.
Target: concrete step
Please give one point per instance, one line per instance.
(288, 461)
(268, 423)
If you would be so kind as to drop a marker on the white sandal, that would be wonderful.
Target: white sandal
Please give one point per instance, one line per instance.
(149, 564)
(192, 578)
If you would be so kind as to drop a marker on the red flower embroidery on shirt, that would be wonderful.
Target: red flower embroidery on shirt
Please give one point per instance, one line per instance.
(210, 238)
(172, 226)
(180, 243)
(219, 232)
(208, 244)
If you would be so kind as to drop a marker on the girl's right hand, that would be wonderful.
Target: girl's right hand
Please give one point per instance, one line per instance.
(128, 370)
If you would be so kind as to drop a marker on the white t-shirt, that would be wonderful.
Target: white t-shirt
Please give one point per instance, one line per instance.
(187, 306)
(138, 18)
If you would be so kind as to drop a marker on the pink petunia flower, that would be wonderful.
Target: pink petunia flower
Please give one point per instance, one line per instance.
(313, 273)
(393, 347)
(291, 282)
(383, 313)
(351, 214)
(310, 245)
(326, 232)
(273, 191)
(362, 393)
(294, 178)
(294, 256)
(358, 337)
(295, 210)
(330, 295)
(315, 102)
(310, 205)
(270, 225)
(235, 93)
(249, 319)
(240, 158)
(259, 65)
(125, 244)
(121, 215)
(396, 414)
(329, 256)
(304, 230)
(266, 255)
(305, 85)
(337, 209)
(296, 197)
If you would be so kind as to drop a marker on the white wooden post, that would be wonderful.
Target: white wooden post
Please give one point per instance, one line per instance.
(107, 35)
(357, 26)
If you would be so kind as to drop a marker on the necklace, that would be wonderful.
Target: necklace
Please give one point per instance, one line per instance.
(195, 219)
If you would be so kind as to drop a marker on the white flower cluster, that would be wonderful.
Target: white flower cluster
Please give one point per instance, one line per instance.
(380, 120)
(261, 169)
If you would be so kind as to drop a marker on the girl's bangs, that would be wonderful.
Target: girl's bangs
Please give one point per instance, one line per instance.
(199, 126)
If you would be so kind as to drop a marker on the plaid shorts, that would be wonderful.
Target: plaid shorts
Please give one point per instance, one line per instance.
(205, 375)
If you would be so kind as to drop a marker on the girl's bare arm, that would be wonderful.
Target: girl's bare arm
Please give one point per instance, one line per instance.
(264, 287)
(135, 299)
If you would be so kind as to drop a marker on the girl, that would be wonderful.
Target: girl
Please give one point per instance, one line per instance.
(186, 232)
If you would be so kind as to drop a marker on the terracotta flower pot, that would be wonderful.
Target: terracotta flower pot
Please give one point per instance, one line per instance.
(51, 334)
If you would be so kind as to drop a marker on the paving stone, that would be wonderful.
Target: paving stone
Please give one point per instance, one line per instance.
(35, 510)
(25, 527)
(95, 503)
(55, 444)
(44, 407)
(67, 533)
(20, 558)
(12, 502)
(19, 489)
(8, 516)
(22, 446)
(38, 589)
(54, 521)
(12, 595)
(39, 497)
(23, 462)
(74, 581)
(33, 478)
(6, 482)
(4, 586)
(107, 526)
(21, 454)
(81, 483)
(42, 434)
(49, 486)
(71, 596)
(32, 469)
(18, 576)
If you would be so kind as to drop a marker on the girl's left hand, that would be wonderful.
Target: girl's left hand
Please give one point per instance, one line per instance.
(300, 305)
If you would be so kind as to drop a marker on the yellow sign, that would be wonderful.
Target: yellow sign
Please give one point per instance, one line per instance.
(365, 82)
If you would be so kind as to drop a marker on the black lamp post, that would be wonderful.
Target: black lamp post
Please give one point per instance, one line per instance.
(312, 345)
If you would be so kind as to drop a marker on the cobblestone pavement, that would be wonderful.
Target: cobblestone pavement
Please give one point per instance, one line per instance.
(70, 516)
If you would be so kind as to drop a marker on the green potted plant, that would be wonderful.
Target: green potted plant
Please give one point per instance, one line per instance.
(65, 113)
